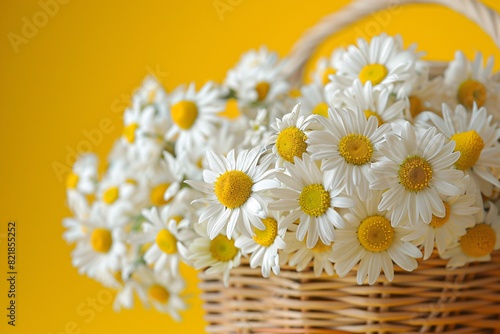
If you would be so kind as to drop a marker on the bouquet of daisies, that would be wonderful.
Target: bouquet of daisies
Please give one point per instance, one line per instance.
(374, 163)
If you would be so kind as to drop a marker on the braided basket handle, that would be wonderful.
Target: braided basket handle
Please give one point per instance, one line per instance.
(485, 17)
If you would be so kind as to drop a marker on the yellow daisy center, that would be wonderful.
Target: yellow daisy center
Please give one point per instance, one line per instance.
(129, 132)
(266, 237)
(438, 222)
(232, 111)
(469, 144)
(415, 173)
(376, 234)
(320, 247)
(151, 95)
(478, 241)
(314, 200)
(471, 91)
(295, 92)
(321, 109)
(166, 241)
(117, 275)
(101, 240)
(233, 188)
(184, 114)
(329, 71)
(131, 181)
(416, 105)
(223, 249)
(291, 143)
(72, 180)
(158, 293)
(375, 73)
(177, 218)
(90, 198)
(157, 194)
(262, 89)
(356, 149)
(110, 195)
(199, 163)
(369, 113)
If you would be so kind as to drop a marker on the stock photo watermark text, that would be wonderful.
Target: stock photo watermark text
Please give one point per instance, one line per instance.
(31, 25)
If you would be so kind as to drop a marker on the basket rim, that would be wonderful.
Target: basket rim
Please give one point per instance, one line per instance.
(433, 266)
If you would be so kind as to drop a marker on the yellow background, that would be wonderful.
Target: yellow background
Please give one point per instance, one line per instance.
(81, 67)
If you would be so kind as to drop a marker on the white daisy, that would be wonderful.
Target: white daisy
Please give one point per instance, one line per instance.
(325, 67)
(79, 203)
(234, 185)
(228, 137)
(313, 100)
(309, 197)
(194, 116)
(370, 239)
(373, 102)
(257, 129)
(478, 242)
(125, 296)
(164, 179)
(119, 189)
(468, 83)
(257, 79)
(151, 92)
(193, 163)
(181, 209)
(446, 231)
(264, 245)
(143, 132)
(82, 183)
(289, 140)
(281, 107)
(103, 247)
(476, 140)
(219, 255)
(298, 255)
(161, 292)
(119, 151)
(423, 93)
(128, 281)
(176, 171)
(415, 170)
(116, 279)
(347, 147)
(76, 227)
(168, 234)
(382, 61)
(83, 178)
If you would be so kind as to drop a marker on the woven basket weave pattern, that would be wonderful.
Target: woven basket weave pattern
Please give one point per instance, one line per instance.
(431, 299)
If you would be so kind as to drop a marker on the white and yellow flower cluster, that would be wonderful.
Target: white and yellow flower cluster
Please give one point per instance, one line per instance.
(373, 164)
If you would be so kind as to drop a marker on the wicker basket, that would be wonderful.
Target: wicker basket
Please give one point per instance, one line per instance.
(431, 299)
